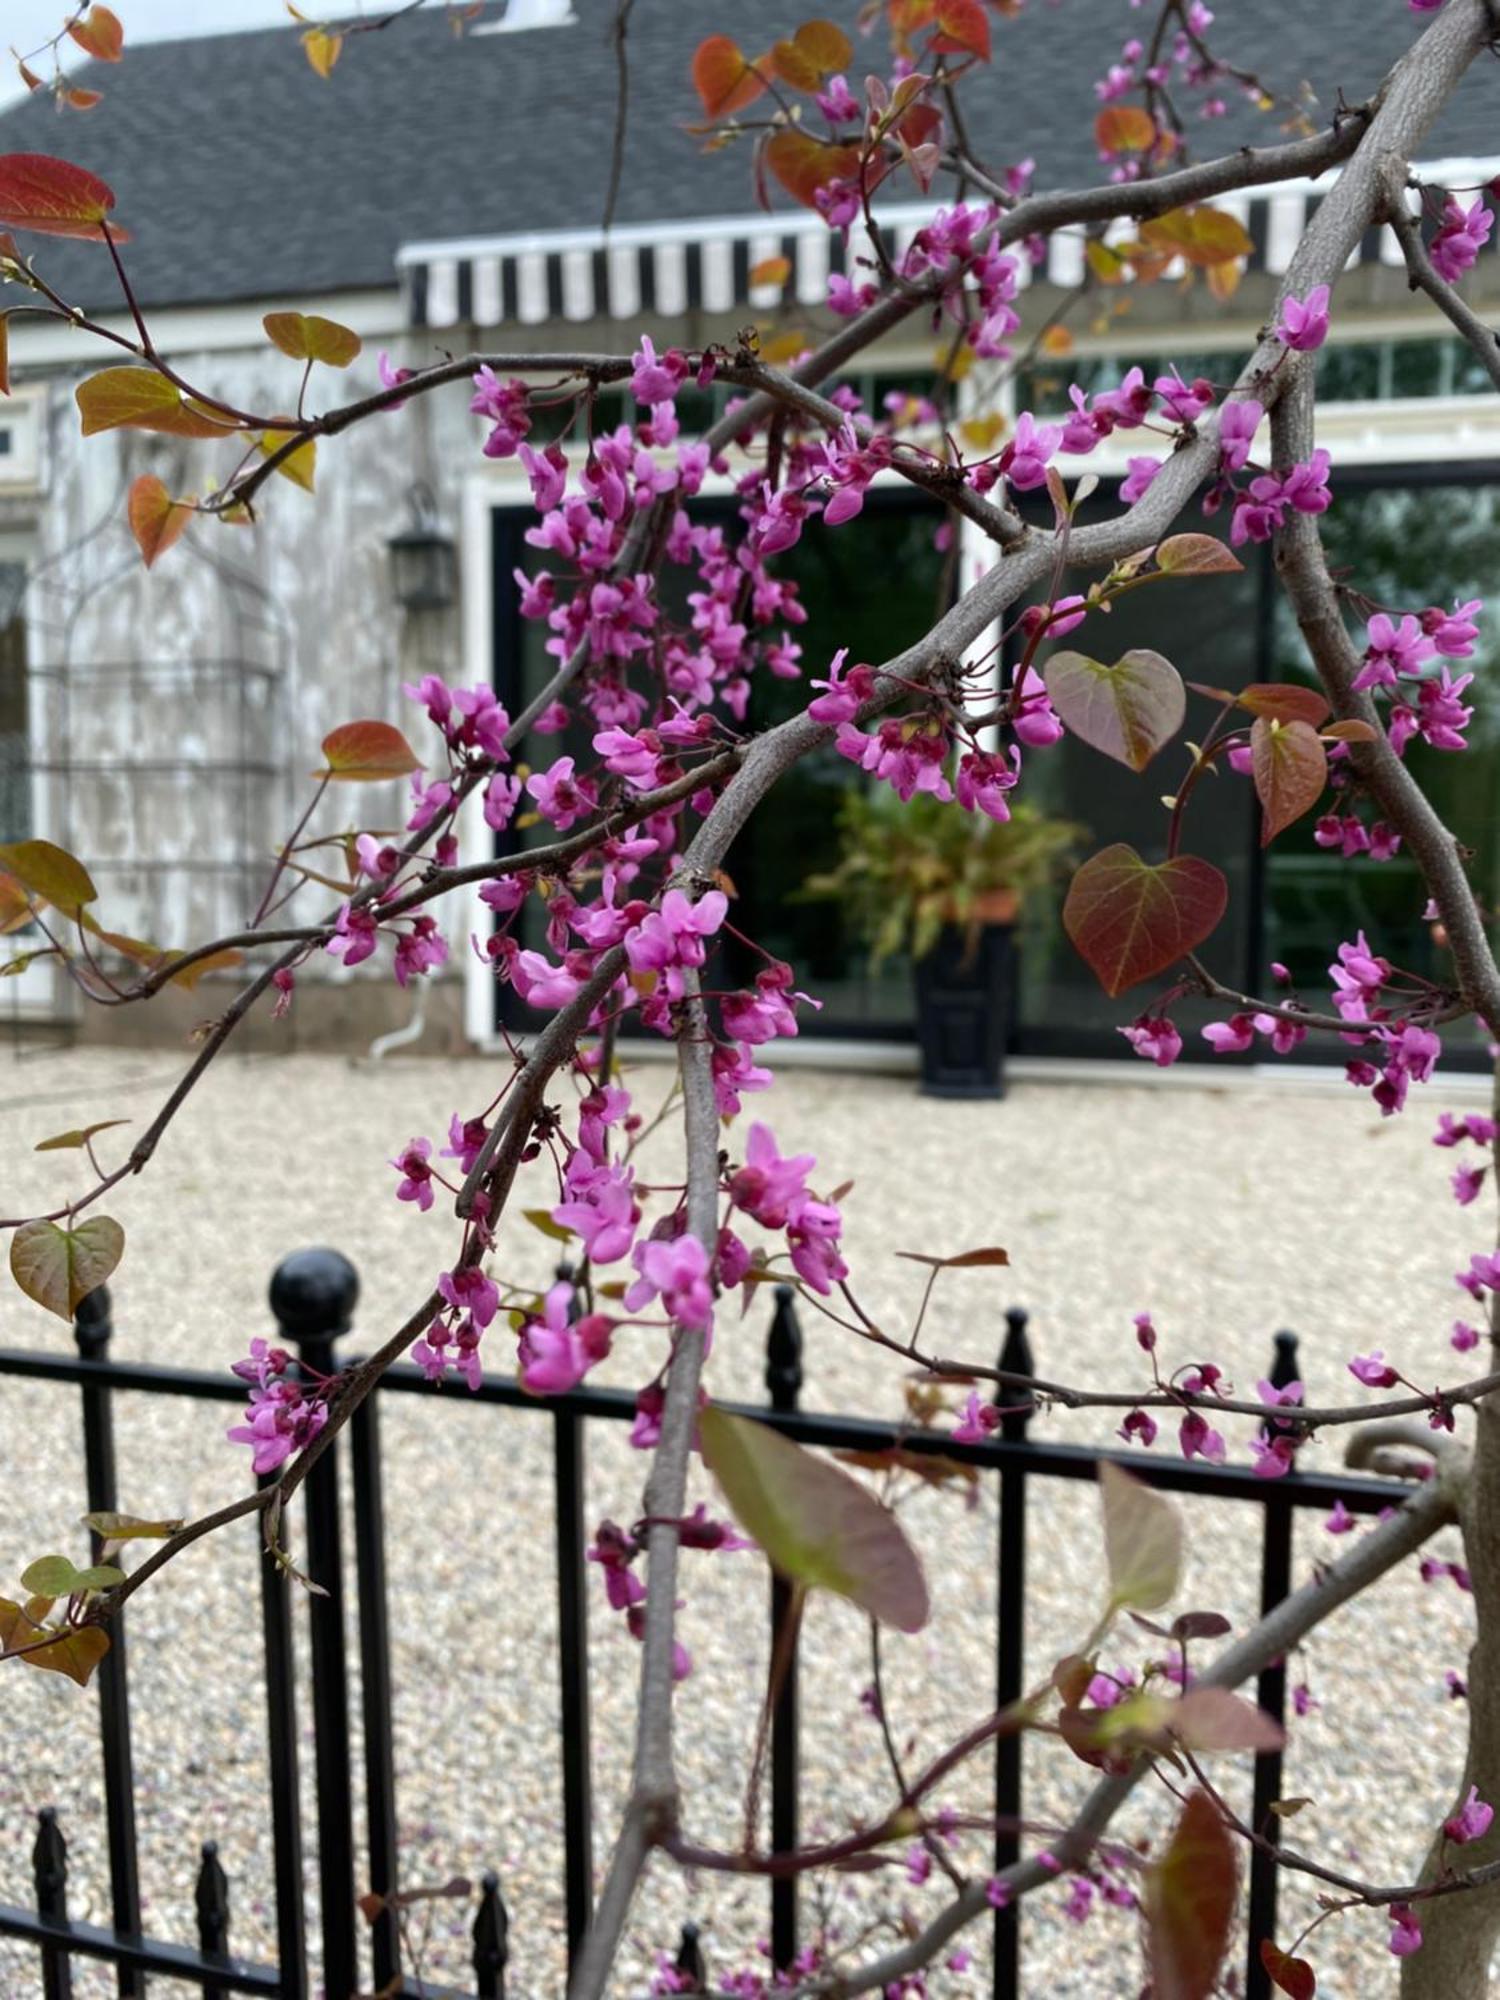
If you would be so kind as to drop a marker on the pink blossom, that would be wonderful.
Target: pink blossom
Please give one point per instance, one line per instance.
(416, 1183)
(1024, 459)
(354, 935)
(978, 1423)
(421, 949)
(1197, 1438)
(600, 1208)
(1466, 1183)
(1231, 1037)
(1142, 471)
(1471, 1821)
(1138, 1424)
(1459, 240)
(1154, 1038)
(771, 1189)
(1392, 649)
(653, 380)
(1035, 720)
(554, 1353)
(1406, 1936)
(468, 1290)
(1303, 324)
(1373, 1370)
(675, 1270)
(1464, 1338)
(1340, 1521)
(1238, 423)
(845, 694)
(560, 797)
(673, 936)
(280, 1421)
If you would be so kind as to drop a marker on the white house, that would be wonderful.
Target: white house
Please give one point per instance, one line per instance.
(444, 194)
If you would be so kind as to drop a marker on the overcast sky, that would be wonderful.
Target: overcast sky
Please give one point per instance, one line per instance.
(28, 24)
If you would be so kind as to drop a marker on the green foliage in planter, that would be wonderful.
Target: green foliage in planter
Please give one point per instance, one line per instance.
(907, 870)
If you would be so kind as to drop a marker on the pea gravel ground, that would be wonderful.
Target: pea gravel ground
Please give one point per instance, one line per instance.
(1229, 1211)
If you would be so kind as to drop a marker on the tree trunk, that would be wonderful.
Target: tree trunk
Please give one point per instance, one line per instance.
(1460, 1932)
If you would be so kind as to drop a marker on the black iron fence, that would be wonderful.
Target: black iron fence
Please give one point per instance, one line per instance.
(313, 1295)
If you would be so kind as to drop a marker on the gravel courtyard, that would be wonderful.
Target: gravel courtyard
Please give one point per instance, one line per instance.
(1228, 1211)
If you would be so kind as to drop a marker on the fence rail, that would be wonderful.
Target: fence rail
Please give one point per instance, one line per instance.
(313, 1296)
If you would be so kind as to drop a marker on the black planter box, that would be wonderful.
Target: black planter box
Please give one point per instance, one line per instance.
(963, 1011)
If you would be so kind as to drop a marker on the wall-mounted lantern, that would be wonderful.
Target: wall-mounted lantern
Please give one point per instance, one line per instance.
(424, 560)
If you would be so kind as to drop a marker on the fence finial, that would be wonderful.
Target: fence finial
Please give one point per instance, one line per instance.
(313, 1294)
(784, 1351)
(49, 1866)
(93, 1323)
(491, 1935)
(212, 1898)
(690, 1952)
(1015, 1359)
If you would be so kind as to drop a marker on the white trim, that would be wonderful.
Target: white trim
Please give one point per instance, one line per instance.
(374, 315)
(702, 229)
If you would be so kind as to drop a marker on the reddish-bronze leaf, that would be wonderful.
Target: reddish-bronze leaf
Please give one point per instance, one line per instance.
(310, 337)
(1195, 555)
(156, 519)
(1124, 128)
(724, 77)
(141, 400)
(966, 1260)
(961, 28)
(1284, 701)
(1213, 1718)
(54, 198)
(1128, 711)
(363, 752)
(1288, 1975)
(1202, 235)
(817, 49)
(1129, 918)
(1290, 768)
(1189, 1904)
(100, 33)
(775, 271)
(1350, 731)
(76, 1651)
(803, 164)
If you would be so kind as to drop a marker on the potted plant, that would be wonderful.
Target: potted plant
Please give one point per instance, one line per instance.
(947, 888)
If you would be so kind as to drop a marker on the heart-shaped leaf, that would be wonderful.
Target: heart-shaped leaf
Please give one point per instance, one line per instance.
(1142, 1541)
(129, 1527)
(301, 465)
(50, 1576)
(1287, 1974)
(724, 77)
(139, 399)
(364, 752)
(1212, 1718)
(58, 1267)
(803, 164)
(1124, 128)
(156, 519)
(818, 1526)
(962, 29)
(816, 50)
(1128, 710)
(1290, 768)
(100, 34)
(50, 872)
(1195, 555)
(80, 1136)
(54, 198)
(1352, 730)
(966, 1260)
(310, 337)
(1129, 919)
(323, 50)
(1284, 701)
(1189, 1904)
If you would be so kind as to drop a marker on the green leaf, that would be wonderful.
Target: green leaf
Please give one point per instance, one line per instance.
(1128, 710)
(310, 337)
(365, 752)
(58, 1267)
(139, 399)
(65, 1141)
(50, 1576)
(1290, 768)
(818, 1526)
(129, 1528)
(1189, 1904)
(1142, 1541)
(1129, 919)
(540, 1219)
(99, 1576)
(50, 872)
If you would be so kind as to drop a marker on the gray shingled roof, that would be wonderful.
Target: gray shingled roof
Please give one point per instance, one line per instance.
(244, 176)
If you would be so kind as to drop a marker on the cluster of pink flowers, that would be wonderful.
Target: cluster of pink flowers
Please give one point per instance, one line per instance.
(286, 1411)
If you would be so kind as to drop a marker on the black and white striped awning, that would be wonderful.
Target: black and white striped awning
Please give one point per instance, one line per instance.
(669, 269)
